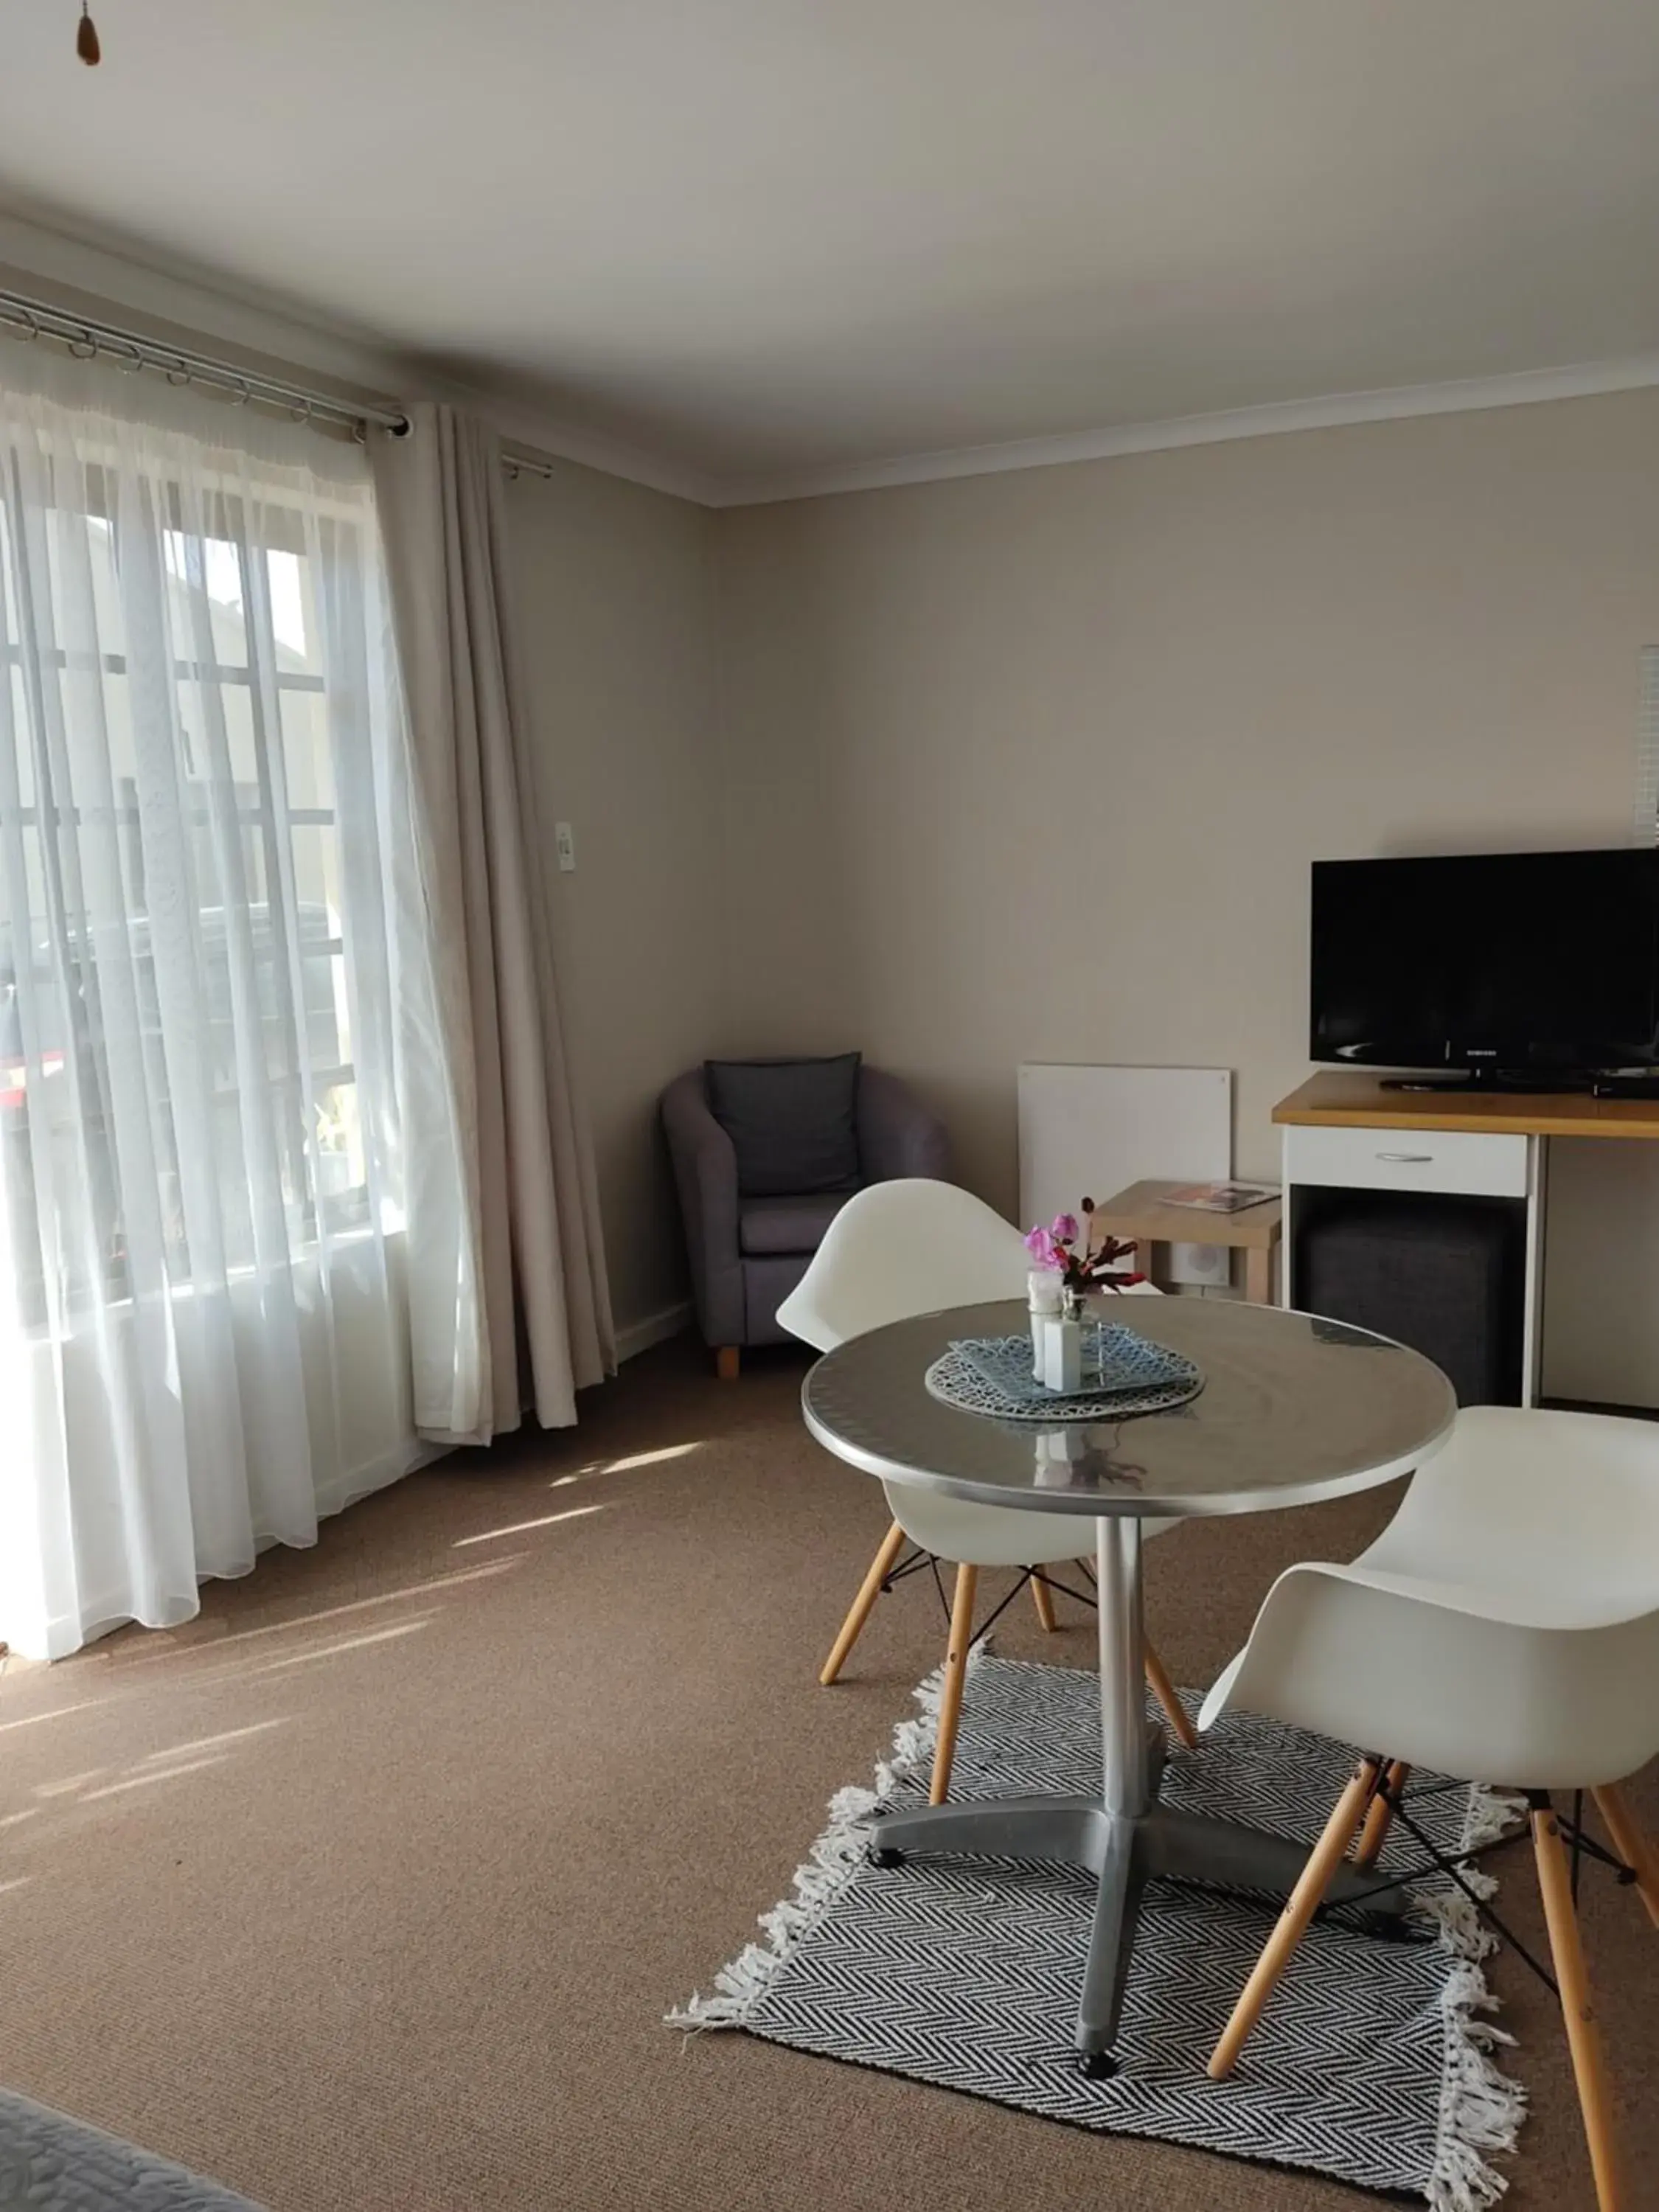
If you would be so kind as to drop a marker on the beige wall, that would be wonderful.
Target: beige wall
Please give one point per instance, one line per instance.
(613, 586)
(1032, 765)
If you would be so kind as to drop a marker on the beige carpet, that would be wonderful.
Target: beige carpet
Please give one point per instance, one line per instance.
(368, 1889)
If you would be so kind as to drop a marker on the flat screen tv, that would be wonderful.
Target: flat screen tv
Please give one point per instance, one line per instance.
(1503, 964)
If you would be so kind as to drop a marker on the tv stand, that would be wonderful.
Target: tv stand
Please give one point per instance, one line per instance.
(1348, 1131)
(1487, 1080)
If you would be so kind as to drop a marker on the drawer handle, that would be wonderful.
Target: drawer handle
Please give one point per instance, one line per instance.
(1408, 1159)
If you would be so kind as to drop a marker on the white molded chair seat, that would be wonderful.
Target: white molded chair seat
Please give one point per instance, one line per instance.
(912, 1247)
(1504, 1627)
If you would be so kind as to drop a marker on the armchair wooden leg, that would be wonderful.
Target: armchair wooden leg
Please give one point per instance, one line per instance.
(869, 1591)
(1159, 1682)
(955, 1676)
(1583, 2039)
(1042, 1599)
(1628, 1840)
(1329, 1854)
(1375, 1833)
(727, 1360)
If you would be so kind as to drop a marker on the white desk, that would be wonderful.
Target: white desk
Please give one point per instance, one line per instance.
(1343, 1129)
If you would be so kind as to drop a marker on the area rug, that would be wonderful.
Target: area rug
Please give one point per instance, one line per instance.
(1372, 2064)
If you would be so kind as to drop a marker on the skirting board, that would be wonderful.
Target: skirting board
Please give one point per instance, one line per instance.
(655, 1328)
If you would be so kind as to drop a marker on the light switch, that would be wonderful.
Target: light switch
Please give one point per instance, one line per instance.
(564, 844)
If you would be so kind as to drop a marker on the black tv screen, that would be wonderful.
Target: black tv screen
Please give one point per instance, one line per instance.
(1500, 962)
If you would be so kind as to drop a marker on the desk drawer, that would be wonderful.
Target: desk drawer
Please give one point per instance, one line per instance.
(1470, 1161)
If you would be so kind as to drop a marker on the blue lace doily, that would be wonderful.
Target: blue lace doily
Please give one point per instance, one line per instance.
(1123, 1375)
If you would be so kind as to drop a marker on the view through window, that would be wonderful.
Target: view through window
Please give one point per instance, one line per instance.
(172, 875)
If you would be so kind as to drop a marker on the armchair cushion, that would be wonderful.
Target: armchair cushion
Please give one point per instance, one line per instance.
(793, 1123)
(788, 1225)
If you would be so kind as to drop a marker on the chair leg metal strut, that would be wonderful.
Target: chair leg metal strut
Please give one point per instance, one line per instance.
(887, 1569)
(1122, 1836)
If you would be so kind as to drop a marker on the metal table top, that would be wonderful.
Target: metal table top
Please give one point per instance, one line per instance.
(1293, 1409)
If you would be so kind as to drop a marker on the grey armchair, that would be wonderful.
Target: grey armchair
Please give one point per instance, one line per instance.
(749, 1250)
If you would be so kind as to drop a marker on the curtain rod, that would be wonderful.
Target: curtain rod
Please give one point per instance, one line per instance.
(520, 464)
(89, 339)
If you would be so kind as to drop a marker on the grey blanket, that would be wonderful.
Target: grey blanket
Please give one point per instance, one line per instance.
(51, 2164)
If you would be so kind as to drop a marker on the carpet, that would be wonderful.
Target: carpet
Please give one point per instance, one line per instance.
(1372, 2064)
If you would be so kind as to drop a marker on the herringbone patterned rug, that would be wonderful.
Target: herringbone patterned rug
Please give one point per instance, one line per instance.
(1370, 2065)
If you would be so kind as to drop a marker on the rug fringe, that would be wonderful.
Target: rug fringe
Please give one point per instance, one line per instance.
(836, 1857)
(1481, 2107)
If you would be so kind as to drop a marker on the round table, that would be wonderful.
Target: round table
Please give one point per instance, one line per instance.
(1293, 1409)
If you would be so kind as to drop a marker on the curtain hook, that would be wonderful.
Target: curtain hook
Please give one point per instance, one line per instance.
(178, 375)
(243, 392)
(85, 348)
(33, 332)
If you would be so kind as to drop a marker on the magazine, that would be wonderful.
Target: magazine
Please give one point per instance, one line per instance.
(1220, 1197)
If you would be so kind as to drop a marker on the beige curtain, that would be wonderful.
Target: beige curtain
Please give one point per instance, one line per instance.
(538, 1255)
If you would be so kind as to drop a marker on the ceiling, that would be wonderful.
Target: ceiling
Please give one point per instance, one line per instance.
(768, 237)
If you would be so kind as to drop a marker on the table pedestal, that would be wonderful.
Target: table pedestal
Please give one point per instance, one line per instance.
(1124, 1837)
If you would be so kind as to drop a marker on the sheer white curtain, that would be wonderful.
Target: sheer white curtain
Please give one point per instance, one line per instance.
(218, 1051)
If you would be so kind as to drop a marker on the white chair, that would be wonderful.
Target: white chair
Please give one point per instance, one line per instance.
(1504, 1626)
(912, 1247)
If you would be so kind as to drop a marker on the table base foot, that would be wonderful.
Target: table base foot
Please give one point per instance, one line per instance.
(1071, 1831)
(1227, 1854)
(1123, 1853)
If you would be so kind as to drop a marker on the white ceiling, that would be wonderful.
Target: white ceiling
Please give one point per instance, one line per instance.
(757, 237)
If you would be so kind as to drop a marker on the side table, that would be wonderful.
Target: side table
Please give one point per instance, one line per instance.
(1142, 1215)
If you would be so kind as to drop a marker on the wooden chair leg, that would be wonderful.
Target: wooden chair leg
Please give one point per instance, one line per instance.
(1044, 1598)
(1157, 1680)
(1327, 1854)
(1628, 1840)
(955, 1676)
(1583, 2039)
(1375, 1833)
(869, 1591)
(728, 1358)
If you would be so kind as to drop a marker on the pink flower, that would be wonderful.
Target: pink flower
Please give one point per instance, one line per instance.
(1063, 1228)
(1040, 1244)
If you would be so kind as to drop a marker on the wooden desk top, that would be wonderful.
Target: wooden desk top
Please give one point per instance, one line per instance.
(1140, 1214)
(1347, 1097)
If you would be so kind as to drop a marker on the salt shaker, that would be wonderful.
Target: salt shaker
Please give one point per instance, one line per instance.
(1061, 1368)
(1043, 1285)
